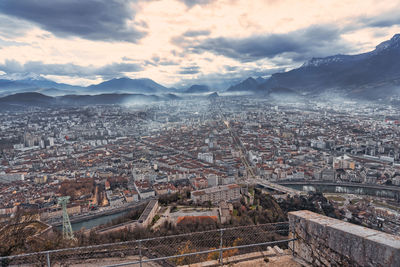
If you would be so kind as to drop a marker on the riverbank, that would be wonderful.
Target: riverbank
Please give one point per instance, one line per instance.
(89, 221)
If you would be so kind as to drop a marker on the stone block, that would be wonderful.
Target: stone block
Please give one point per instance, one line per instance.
(324, 241)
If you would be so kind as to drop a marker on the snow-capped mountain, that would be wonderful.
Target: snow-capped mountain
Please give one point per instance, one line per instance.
(368, 75)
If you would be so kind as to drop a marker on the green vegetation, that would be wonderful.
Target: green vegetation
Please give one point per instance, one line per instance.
(355, 201)
(18, 236)
(235, 212)
(174, 208)
(78, 188)
(155, 219)
(336, 198)
(315, 202)
(178, 198)
(267, 210)
(386, 205)
(251, 191)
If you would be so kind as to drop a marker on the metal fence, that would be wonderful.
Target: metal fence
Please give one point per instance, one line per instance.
(166, 250)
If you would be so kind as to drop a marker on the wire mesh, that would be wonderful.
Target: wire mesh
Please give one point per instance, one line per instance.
(172, 250)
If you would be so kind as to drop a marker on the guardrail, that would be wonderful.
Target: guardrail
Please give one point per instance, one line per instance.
(170, 250)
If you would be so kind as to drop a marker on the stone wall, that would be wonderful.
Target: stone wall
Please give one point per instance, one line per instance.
(324, 241)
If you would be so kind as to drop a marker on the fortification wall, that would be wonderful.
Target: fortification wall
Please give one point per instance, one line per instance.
(324, 241)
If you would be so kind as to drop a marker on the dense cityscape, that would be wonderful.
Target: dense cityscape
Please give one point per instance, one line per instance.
(108, 157)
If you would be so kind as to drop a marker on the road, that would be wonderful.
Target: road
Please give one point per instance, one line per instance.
(277, 187)
(251, 177)
(239, 145)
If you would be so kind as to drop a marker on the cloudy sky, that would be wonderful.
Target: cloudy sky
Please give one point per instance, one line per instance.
(179, 42)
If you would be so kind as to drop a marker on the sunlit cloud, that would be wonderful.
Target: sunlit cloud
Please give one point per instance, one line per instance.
(107, 71)
(178, 42)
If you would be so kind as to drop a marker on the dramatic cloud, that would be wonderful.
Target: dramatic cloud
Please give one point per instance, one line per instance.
(299, 44)
(157, 61)
(179, 41)
(383, 20)
(196, 33)
(12, 27)
(230, 68)
(10, 43)
(110, 70)
(189, 70)
(89, 19)
(191, 3)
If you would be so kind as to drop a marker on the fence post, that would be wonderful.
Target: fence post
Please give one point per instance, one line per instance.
(48, 259)
(140, 253)
(221, 260)
(293, 242)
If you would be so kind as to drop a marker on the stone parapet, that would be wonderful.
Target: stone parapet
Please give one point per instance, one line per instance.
(324, 241)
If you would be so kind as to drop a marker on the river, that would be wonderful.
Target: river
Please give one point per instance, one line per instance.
(88, 224)
(93, 222)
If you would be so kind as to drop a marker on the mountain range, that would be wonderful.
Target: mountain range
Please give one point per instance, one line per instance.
(368, 75)
(371, 75)
(119, 85)
(197, 89)
(35, 99)
(126, 85)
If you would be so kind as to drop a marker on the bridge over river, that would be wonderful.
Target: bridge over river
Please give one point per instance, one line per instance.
(276, 187)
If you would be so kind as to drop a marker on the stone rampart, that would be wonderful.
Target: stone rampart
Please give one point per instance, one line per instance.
(324, 241)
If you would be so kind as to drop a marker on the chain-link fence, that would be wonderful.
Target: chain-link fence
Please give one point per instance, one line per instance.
(164, 251)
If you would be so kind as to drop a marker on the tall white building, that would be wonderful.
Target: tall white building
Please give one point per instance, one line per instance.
(51, 141)
(208, 157)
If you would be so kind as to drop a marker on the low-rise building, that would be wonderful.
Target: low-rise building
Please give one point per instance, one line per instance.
(217, 194)
(131, 196)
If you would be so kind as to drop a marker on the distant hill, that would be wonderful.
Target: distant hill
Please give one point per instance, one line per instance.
(45, 83)
(213, 95)
(30, 84)
(260, 80)
(57, 92)
(126, 85)
(27, 99)
(42, 85)
(248, 85)
(171, 96)
(14, 85)
(196, 89)
(34, 99)
(369, 75)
